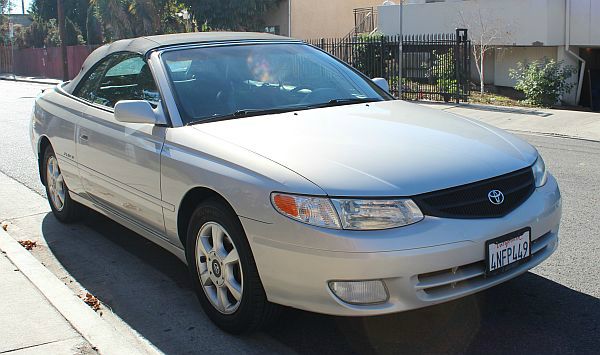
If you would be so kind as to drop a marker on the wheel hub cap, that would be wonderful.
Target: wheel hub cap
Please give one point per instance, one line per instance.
(216, 269)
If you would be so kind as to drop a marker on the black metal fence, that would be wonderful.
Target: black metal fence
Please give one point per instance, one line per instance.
(434, 67)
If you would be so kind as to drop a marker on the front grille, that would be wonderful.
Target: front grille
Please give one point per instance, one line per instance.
(471, 200)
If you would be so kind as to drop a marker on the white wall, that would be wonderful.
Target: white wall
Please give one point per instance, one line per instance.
(508, 57)
(585, 22)
(522, 22)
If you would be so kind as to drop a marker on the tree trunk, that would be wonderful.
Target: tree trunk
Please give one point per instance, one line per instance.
(482, 73)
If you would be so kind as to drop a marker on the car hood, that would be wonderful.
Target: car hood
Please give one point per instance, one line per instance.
(390, 148)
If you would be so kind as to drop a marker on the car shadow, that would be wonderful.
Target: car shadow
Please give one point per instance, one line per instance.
(490, 108)
(506, 109)
(149, 289)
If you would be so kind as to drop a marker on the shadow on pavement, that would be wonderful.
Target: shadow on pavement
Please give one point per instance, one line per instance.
(524, 111)
(148, 288)
(503, 109)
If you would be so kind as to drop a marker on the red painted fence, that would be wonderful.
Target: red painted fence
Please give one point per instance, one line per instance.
(43, 62)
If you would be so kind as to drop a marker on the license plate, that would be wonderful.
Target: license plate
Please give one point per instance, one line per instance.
(507, 251)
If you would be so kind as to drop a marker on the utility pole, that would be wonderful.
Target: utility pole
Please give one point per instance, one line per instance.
(23, 6)
(400, 53)
(11, 34)
(63, 45)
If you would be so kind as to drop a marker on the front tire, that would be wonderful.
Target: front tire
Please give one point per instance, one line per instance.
(223, 271)
(63, 207)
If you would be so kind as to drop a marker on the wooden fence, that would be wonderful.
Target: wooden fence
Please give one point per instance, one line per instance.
(42, 62)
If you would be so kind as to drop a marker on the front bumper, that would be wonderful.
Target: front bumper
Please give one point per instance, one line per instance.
(433, 261)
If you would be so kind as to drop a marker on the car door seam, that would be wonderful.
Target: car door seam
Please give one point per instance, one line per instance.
(130, 189)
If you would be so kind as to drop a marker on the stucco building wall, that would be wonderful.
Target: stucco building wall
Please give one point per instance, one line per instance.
(316, 18)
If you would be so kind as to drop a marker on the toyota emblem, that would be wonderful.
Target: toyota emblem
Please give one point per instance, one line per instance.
(496, 197)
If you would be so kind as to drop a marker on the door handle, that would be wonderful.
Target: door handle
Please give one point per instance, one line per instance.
(83, 137)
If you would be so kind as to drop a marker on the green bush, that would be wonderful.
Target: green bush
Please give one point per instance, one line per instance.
(543, 82)
(444, 71)
(367, 54)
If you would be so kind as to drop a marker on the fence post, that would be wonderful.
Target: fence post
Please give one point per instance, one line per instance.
(467, 65)
(382, 61)
(456, 65)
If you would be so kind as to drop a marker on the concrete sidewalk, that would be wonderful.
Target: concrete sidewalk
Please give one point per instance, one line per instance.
(562, 123)
(29, 79)
(39, 313)
(29, 324)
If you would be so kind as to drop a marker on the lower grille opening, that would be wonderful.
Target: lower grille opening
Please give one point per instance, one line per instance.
(450, 282)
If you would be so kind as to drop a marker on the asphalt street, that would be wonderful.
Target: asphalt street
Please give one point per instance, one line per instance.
(555, 308)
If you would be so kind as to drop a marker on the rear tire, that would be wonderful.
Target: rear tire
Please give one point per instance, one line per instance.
(225, 277)
(63, 207)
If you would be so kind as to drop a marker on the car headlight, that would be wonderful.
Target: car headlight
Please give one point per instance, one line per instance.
(539, 172)
(351, 214)
(377, 214)
(317, 211)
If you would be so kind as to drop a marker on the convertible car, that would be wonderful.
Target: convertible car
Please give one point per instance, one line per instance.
(282, 176)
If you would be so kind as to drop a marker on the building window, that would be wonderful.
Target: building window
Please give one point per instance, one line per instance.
(272, 29)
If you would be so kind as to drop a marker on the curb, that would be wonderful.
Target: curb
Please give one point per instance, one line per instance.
(553, 135)
(87, 322)
(33, 81)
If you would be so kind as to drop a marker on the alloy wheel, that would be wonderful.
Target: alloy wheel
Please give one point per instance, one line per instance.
(219, 268)
(56, 184)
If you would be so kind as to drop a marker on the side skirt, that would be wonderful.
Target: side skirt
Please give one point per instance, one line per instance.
(152, 236)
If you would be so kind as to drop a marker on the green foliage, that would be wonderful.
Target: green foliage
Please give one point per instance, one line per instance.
(52, 36)
(5, 7)
(444, 71)
(45, 34)
(99, 21)
(237, 15)
(369, 52)
(75, 11)
(543, 82)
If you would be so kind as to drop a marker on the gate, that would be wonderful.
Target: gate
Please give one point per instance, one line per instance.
(434, 67)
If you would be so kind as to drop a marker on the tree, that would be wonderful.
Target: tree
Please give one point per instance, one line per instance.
(99, 21)
(485, 31)
(444, 74)
(115, 18)
(75, 11)
(237, 15)
(5, 6)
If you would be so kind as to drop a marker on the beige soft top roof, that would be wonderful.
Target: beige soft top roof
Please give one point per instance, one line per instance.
(143, 45)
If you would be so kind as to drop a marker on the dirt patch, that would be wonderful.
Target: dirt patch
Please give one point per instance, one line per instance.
(92, 301)
(28, 244)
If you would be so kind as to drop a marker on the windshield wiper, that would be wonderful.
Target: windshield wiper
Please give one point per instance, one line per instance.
(349, 101)
(352, 100)
(246, 113)
(259, 112)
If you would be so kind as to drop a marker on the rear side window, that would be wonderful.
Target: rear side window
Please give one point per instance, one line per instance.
(86, 89)
(125, 76)
(129, 66)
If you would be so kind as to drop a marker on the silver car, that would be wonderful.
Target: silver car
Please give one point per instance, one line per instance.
(282, 176)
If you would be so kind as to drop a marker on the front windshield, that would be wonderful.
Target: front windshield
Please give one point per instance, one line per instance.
(223, 81)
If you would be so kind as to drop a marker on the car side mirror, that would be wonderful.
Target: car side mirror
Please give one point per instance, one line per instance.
(382, 83)
(138, 111)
